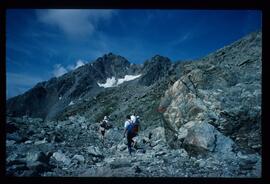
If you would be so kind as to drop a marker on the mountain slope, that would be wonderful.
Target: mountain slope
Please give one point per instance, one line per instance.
(48, 99)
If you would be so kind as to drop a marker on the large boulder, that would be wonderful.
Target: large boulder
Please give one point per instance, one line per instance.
(201, 137)
(62, 158)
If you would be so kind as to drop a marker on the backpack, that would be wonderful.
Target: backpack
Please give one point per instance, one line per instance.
(105, 125)
(136, 125)
(130, 128)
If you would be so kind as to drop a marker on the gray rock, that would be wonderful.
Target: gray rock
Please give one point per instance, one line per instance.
(95, 151)
(14, 136)
(10, 142)
(28, 173)
(36, 156)
(12, 156)
(200, 137)
(223, 144)
(38, 167)
(80, 158)
(113, 137)
(120, 163)
(18, 167)
(41, 141)
(122, 147)
(60, 157)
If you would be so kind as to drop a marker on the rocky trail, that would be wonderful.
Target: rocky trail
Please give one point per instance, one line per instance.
(73, 148)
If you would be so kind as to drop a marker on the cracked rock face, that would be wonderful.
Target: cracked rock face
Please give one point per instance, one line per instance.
(224, 90)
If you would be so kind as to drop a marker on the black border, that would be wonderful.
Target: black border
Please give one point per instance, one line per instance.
(139, 4)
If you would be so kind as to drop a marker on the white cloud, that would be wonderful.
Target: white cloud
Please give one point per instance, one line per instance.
(74, 22)
(78, 64)
(59, 70)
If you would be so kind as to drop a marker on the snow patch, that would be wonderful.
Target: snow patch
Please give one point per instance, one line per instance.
(71, 103)
(112, 82)
(127, 78)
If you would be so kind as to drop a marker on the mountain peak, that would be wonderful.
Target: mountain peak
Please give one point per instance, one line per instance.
(112, 57)
(158, 57)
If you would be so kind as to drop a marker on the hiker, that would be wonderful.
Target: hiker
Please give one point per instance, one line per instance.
(136, 123)
(129, 131)
(104, 125)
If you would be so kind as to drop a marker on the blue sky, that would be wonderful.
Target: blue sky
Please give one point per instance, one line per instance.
(43, 43)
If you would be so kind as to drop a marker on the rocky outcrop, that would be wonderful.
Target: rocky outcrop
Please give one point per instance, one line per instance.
(224, 90)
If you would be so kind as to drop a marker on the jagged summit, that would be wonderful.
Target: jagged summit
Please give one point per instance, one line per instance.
(155, 69)
(110, 57)
(160, 58)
